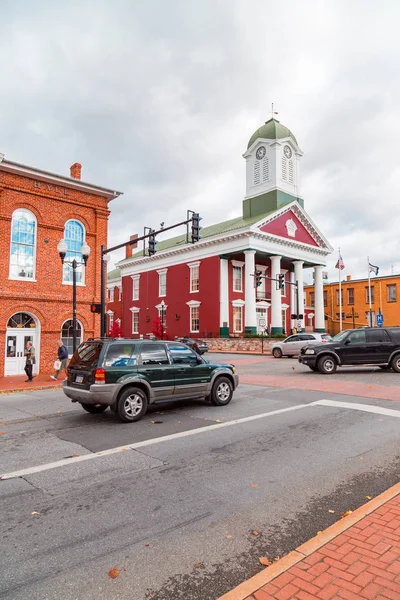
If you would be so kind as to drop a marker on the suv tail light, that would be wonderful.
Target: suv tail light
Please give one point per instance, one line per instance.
(100, 376)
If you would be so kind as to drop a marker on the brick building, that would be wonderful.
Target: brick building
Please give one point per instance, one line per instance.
(207, 288)
(385, 300)
(37, 209)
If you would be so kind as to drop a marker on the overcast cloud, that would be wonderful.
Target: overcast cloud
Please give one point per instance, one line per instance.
(159, 98)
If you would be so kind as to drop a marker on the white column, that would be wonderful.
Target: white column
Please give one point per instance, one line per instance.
(223, 298)
(250, 319)
(292, 300)
(276, 296)
(298, 275)
(319, 299)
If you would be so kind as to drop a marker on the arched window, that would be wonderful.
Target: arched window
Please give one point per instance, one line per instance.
(66, 335)
(23, 245)
(74, 235)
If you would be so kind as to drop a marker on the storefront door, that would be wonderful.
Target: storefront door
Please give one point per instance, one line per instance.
(16, 340)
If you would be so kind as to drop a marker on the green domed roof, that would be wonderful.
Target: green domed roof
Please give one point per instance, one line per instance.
(271, 130)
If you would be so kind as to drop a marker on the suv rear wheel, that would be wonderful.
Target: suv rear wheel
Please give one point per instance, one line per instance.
(277, 353)
(327, 365)
(94, 408)
(395, 364)
(132, 405)
(221, 392)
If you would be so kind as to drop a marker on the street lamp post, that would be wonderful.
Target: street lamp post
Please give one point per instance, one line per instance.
(104, 260)
(162, 318)
(62, 248)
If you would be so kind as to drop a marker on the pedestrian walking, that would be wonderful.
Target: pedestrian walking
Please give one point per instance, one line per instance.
(30, 360)
(62, 360)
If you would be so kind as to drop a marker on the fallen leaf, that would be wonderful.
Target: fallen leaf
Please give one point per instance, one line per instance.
(2, 432)
(331, 511)
(361, 458)
(155, 422)
(197, 566)
(228, 537)
(368, 497)
(59, 411)
(147, 545)
(370, 387)
(319, 532)
(254, 485)
(123, 449)
(265, 561)
(217, 421)
(276, 558)
(113, 573)
(254, 532)
(344, 514)
(35, 512)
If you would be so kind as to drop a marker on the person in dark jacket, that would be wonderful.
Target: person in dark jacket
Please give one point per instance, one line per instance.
(62, 353)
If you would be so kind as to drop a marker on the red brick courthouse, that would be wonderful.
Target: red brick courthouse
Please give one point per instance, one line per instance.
(207, 289)
(37, 209)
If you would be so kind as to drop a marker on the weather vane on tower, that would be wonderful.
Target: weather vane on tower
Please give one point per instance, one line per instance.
(272, 111)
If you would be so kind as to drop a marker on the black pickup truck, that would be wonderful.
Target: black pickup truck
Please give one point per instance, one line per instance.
(367, 346)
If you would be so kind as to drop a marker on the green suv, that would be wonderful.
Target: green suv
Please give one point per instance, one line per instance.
(128, 375)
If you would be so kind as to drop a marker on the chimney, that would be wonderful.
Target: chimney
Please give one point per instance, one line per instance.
(76, 170)
(129, 248)
(348, 277)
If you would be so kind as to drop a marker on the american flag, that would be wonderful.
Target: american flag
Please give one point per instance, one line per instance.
(340, 263)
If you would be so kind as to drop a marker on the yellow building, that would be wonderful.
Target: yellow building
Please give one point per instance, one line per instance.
(355, 302)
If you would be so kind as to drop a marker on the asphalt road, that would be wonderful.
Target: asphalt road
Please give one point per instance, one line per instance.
(175, 516)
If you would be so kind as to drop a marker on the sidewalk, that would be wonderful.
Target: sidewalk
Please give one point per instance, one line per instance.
(356, 558)
(17, 383)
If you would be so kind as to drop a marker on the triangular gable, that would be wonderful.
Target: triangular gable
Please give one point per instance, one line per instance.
(293, 223)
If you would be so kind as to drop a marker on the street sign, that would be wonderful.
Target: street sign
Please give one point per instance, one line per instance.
(379, 319)
(298, 325)
(261, 322)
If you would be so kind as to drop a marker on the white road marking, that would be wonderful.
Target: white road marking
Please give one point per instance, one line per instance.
(379, 410)
(174, 436)
(166, 438)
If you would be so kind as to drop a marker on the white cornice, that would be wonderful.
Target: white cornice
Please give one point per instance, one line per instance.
(69, 182)
(193, 303)
(228, 243)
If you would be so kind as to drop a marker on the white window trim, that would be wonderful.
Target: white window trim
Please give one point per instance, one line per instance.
(239, 264)
(110, 317)
(238, 302)
(34, 280)
(135, 278)
(111, 294)
(192, 266)
(83, 282)
(193, 303)
(191, 307)
(162, 272)
(235, 305)
(82, 331)
(134, 310)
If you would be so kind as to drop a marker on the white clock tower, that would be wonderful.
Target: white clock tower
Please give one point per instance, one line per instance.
(272, 167)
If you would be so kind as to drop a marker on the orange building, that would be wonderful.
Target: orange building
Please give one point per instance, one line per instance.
(37, 210)
(385, 300)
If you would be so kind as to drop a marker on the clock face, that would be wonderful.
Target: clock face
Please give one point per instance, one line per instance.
(287, 151)
(260, 152)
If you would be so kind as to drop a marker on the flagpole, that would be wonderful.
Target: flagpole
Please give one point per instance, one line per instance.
(369, 295)
(340, 293)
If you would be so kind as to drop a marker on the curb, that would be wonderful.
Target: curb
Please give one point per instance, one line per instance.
(32, 389)
(243, 590)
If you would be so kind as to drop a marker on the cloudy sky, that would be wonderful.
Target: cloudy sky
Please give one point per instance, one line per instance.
(159, 98)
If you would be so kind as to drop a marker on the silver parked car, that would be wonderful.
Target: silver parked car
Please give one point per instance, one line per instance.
(294, 343)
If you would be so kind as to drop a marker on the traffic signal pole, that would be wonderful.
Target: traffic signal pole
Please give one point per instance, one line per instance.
(281, 282)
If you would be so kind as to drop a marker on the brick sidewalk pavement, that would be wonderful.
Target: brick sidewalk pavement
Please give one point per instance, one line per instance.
(356, 558)
(17, 383)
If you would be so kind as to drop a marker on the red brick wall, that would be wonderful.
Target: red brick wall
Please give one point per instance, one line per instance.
(178, 294)
(47, 298)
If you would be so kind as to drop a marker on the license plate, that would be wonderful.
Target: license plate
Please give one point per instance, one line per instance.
(79, 379)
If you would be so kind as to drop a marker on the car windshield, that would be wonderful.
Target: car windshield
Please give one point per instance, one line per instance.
(339, 337)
